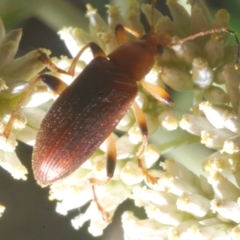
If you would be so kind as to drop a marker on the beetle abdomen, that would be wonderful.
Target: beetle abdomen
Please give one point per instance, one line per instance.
(81, 119)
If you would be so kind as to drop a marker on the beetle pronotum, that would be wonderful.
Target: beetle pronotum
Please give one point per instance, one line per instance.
(70, 132)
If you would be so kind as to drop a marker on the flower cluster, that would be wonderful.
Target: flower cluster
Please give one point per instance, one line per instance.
(181, 205)
(15, 75)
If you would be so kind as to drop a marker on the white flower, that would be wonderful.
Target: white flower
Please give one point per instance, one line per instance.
(181, 205)
(15, 74)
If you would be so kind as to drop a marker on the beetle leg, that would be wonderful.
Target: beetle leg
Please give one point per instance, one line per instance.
(54, 84)
(105, 214)
(57, 85)
(96, 51)
(48, 63)
(142, 124)
(158, 92)
(111, 163)
(9, 125)
(111, 156)
(120, 34)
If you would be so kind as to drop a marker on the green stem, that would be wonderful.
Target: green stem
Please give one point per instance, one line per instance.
(198, 96)
(176, 142)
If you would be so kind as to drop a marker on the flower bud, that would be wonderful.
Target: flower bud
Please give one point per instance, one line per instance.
(206, 187)
(235, 233)
(218, 162)
(213, 231)
(147, 11)
(168, 119)
(26, 67)
(150, 155)
(143, 197)
(227, 209)
(214, 113)
(8, 145)
(125, 148)
(222, 19)
(2, 30)
(176, 186)
(215, 138)
(126, 122)
(216, 95)
(165, 214)
(223, 188)
(232, 79)
(232, 145)
(214, 51)
(97, 24)
(194, 204)
(9, 46)
(199, 21)
(186, 51)
(114, 17)
(231, 121)
(180, 16)
(152, 122)
(10, 162)
(183, 230)
(75, 39)
(164, 24)
(194, 124)
(135, 135)
(175, 78)
(27, 135)
(131, 174)
(7, 53)
(202, 74)
(146, 229)
(133, 17)
(107, 39)
(203, 7)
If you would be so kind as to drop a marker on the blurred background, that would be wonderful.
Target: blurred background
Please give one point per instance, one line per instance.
(29, 215)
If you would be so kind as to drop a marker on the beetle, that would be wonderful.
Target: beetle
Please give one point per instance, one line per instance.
(87, 111)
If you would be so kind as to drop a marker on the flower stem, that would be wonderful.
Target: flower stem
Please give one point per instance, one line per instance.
(176, 142)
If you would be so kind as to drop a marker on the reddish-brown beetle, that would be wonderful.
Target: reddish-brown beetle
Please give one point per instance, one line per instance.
(87, 111)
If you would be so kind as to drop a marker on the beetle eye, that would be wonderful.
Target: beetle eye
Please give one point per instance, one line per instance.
(160, 49)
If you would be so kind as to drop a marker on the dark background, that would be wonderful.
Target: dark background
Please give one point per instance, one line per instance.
(29, 215)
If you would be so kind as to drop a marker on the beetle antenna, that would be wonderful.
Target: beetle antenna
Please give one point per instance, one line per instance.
(211, 31)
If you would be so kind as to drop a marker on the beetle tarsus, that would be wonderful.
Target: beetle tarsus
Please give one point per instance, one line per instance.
(95, 181)
(149, 178)
(157, 92)
(105, 214)
(120, 35)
